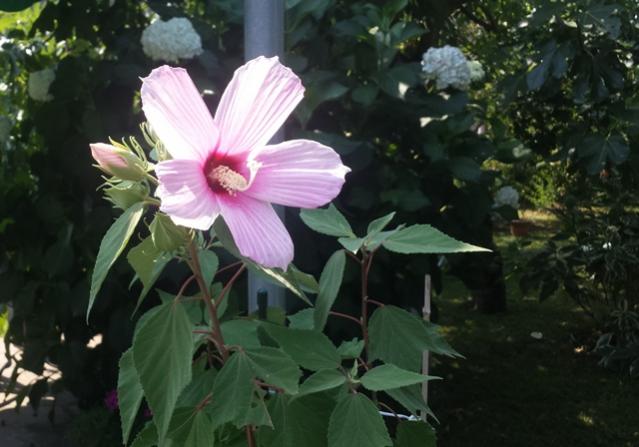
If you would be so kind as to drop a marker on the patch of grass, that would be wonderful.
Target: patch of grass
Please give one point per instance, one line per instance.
(513, 390)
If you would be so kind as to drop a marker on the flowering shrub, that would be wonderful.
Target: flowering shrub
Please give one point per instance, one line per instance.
(448, 67)
(208, 375)
(171, 41)
(507, 196)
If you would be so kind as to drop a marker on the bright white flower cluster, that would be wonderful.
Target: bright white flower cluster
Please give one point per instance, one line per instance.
(477, 72)
(171, 41)
(448, 67)
(507, 195)
(39, 83)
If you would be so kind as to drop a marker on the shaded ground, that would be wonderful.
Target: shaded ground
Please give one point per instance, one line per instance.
(513, 390)
(28, 428)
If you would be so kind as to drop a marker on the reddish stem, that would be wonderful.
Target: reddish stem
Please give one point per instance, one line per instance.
(184, 286)
(377, 303)
(216, 331)
(228, 267)
(348, 317)
(367, 260)
(250, 436)
(228, 285)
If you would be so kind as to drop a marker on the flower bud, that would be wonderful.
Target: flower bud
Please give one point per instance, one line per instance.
(118, 162)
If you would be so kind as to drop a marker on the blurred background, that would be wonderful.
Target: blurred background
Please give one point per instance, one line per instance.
(510, 124)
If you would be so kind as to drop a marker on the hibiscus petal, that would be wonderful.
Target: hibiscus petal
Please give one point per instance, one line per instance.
(178, 115)
(185, 194)
(255, 104)
(257, 230)
(300, 173)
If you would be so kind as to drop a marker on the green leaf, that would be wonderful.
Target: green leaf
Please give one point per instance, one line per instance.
(352, 244)
(329, 285)
(356, 422)
(199, 388)
(598, 150)
(426, 239)
(310, 349)
(351, 349)
(415, 434)
(465, 168)
(162, 351)
(322, 380)
(305, 281)
(147, 262)
(147, 437)
(130, 393)
(274, 367)
(376, 226)
(303, 319)
(112, 246)
(232, 391)
(165, 234)
(365, 94)
(280, 278)
(190, 427)
(399, 337)
(209, 264)
(327, 221)
(241, 333)
(410, 397)
(386, 377)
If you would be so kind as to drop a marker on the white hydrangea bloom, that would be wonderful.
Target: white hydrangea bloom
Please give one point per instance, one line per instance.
(39, 83)
(171, 41)
(447, 66)
(477, 72)
(507, 196)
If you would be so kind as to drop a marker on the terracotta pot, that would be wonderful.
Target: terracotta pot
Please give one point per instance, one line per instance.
(519, 228)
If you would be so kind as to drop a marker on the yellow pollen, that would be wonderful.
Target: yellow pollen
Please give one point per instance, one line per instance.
(228, 179)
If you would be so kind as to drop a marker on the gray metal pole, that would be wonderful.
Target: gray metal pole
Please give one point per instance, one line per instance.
(264, 36)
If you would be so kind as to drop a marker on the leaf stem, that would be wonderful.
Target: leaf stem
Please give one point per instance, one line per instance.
(250, 436)
(348, 317)
(366, 262)
(216, 331)
(184, 286)
(228, 285)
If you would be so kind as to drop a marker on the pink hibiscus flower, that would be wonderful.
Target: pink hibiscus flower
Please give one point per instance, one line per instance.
(224, 166)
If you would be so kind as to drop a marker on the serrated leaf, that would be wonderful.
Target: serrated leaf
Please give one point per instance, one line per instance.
(310, 349)
(130, 393)
(112, 245)
(190, 427)
(399, 337)
(426, 239)
(165, 234)
(199, 388)
(356, 422)
(415, 434)
(162, 350)
(329, 285)
(386, 377)
(147, 262)
(276, 368)
(322, 380)
(241, 333)
(232, 391)
(410, 397)
(378, 225)
(327, 221)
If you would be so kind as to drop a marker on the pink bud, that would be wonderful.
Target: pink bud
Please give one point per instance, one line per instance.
(117, 162)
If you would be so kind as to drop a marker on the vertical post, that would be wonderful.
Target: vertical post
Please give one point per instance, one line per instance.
(264, 36)
(426, 354)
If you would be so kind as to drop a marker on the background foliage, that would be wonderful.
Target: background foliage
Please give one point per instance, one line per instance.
(558, 107)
